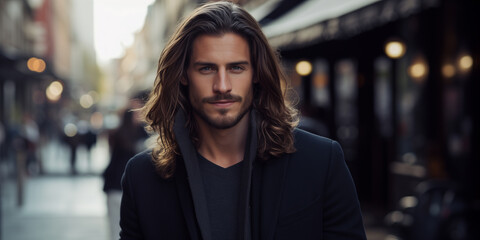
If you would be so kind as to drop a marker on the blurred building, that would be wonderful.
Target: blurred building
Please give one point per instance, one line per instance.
(16, 43)
(47, 64)
(135, 71)
(396, 83)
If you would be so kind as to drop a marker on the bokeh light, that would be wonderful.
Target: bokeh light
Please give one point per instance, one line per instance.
(395, 49)
(36, 64)
(54, 91)
(86, 101)
(418, 71)
(303, 68)
(465, 63)
(70, 130)
(448, 70)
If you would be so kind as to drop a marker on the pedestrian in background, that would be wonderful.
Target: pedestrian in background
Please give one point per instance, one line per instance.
(229, 161)
(31, 135)
(125, 141)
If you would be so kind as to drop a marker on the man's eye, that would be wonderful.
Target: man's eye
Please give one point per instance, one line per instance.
(237, 69)
(206, 69)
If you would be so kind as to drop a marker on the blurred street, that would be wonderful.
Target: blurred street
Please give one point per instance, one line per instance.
(57, 205)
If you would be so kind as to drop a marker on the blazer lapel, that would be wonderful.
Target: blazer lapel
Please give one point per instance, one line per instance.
(244, 216)
(268, 180)
(255, 200)
(193, 176)
(185, 198)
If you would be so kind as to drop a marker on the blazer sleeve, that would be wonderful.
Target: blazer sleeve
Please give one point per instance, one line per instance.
(342, 215)
(129, 220)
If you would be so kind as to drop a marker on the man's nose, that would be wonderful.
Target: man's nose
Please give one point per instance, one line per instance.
(222, 82)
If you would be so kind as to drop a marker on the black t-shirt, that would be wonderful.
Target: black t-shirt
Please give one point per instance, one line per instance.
(222, 187)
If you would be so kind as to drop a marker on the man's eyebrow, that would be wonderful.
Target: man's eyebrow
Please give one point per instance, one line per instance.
(203, 63)
(239, 63)
(213, 64)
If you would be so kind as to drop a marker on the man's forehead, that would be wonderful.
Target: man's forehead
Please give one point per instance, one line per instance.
(229, 46)
(227, 37)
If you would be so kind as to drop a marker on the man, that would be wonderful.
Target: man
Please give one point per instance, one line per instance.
(230, 163)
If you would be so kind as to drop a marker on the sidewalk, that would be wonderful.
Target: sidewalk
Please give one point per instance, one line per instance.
(57, 205)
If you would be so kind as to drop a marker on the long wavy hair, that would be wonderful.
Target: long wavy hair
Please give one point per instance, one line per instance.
(277, 116)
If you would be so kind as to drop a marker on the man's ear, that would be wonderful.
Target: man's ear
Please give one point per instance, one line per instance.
(184, 81)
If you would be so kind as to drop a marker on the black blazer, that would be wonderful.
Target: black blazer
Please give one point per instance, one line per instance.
(305, 195)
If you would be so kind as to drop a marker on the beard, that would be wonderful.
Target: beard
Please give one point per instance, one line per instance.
(223, 121)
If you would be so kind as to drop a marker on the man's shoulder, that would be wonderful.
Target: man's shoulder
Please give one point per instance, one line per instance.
(314, 149)
(141, 162)
(307, 140)
(141, 171)
(310, 164)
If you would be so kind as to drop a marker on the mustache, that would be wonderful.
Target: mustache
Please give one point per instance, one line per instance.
(220, 97)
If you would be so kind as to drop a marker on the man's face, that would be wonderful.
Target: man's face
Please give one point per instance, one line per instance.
(220, 79)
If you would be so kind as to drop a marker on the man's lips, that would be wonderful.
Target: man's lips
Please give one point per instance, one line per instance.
(223, 100)
(223, 103)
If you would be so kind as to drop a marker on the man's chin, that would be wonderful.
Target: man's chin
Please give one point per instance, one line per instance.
(223, 122)
(221, 118)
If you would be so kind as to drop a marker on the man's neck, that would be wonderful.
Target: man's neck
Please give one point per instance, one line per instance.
(223, 147)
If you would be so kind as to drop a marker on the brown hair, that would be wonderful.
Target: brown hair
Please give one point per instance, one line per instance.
(278, 117)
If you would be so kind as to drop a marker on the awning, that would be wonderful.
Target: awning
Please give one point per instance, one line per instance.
(263, 10)
(314, 21)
